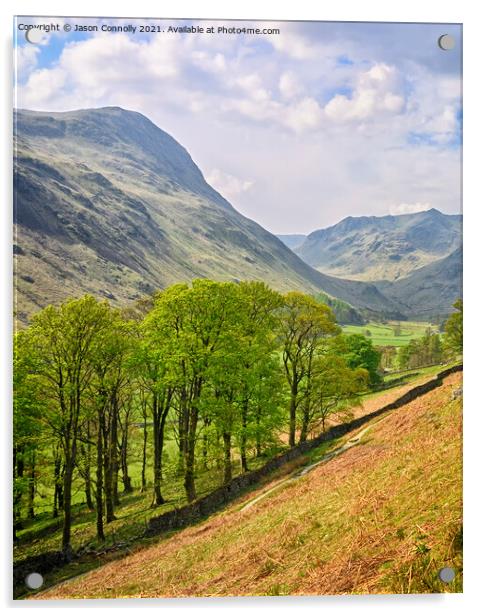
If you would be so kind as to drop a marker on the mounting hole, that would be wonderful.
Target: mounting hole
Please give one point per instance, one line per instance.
(447, 575)
(34, 36)
(446, 42)
(34, 580)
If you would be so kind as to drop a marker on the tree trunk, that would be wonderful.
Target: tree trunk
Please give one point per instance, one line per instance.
(114, 457)
(18, 469)
(57, 485)
(205, 442)
(144, 449)
(159, 428)
(31, 489)
(126, 480)
(293, 403)
(242, 446)
(183, 426)
(60, 494)
(88, 481)
(158, 500)
(258, 432)
(66, 531)
(305, 423)
(99, 484)
(228, 469)
(189, 482)
(87, 477)
(205, 451)
(108, 485)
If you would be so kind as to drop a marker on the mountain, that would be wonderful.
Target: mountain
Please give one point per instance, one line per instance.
(429, 291)
(108, 203)
(292, 240)
(382, 247)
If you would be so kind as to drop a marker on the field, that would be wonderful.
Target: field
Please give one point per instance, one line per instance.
(378, 518)
(392, 333)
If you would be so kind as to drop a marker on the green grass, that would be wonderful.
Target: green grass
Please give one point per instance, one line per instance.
(383, 334)
(132, 514)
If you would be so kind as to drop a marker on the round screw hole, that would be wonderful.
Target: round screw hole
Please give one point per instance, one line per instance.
(447, 575)
(446, 42)
(34, 581)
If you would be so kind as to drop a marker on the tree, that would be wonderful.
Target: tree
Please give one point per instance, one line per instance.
(108, 361)
(260, 388)
(453, 339)
(193, 326)
(360, 353)
(304, 325)
(63, 339)
(336, 390)
(28, 407)
(157, 379)
(425, 351)
(388, 356)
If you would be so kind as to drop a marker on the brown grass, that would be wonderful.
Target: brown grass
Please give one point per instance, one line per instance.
(383, 517)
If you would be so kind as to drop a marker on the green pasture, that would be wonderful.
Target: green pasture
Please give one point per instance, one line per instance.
(391, 333)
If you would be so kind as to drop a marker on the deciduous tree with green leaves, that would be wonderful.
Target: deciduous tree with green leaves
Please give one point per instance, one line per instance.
(305, 324)
(62, 340)
(453, 339)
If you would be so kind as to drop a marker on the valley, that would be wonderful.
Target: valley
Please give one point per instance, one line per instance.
(174, 358)
(109, 204)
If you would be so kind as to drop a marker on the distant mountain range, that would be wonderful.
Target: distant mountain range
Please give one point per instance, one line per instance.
(108, 203)
(292, 240)
(379, 247)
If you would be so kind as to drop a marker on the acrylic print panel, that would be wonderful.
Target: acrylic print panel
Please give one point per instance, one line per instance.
(238, 308)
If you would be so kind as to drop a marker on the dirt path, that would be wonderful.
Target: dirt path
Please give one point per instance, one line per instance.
(373, 403)
(354, 440)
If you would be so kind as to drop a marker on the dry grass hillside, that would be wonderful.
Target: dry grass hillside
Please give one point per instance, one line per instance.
(384, 516)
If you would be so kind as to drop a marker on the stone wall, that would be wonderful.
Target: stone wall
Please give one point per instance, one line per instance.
(201, 508)
(184, 516)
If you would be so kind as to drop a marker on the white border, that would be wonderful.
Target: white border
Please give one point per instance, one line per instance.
(349, 10)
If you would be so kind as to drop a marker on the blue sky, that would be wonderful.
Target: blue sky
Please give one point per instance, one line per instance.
(297, 130)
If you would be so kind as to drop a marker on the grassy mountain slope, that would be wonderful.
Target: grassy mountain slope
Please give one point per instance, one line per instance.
(430, 290)
(383, 517)
(108, 203)
(382, 247)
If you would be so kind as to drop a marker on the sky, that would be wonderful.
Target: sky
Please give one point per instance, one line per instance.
(297, 130)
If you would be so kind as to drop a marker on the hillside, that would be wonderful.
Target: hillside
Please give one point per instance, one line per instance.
(108, 203)
(382, 247)
(382, 516)
(430, 290)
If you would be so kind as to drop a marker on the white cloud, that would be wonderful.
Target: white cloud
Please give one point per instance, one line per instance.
(442, 126)
(289, 85)
(296, 162)
(228, 185)
(377, 91)
(211, 63)
(409, 208)
(295, 45)
(26, 58)
(305, 115)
